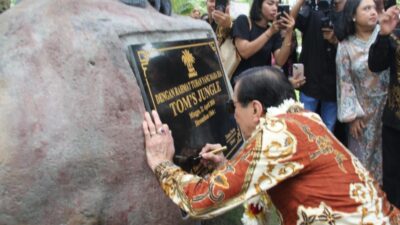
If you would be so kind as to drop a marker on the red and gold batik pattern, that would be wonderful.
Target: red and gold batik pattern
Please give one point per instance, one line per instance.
(309, 175)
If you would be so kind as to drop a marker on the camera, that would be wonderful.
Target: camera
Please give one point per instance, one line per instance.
(324, 6)
(326, 22)
(220, 5)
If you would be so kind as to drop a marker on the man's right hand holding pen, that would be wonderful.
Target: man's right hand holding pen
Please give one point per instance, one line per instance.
(208, 158)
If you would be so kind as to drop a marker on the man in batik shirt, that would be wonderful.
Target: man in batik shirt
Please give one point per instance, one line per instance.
(289, 154)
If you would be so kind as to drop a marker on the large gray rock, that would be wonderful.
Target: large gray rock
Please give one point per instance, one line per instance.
(71, 145)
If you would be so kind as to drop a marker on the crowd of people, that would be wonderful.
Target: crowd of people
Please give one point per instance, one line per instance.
(291, 157)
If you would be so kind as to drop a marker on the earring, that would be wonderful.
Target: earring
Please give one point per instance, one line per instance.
(354, 19)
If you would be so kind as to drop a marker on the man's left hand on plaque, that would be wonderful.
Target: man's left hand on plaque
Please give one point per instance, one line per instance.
(159, 143)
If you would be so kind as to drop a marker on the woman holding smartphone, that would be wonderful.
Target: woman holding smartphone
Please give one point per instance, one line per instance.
(257, 38)
(220, 21)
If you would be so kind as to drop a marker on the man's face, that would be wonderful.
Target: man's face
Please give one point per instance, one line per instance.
(210, 6)
(244, 115)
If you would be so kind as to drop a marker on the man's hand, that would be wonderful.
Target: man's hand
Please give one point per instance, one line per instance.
(221, 18)
(329, 35)
(159, 143)
(356, 128)
(388, 20)
(215, 160)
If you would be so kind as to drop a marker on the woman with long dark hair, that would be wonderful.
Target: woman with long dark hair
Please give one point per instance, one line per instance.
(257, 38)
(361, 94)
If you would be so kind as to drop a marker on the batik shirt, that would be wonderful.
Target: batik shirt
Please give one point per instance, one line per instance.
(309, 175)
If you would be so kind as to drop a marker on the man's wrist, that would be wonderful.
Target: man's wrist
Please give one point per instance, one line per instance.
(160, 168)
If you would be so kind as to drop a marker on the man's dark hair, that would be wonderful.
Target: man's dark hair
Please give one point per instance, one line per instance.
(349, 12)
(255, 10)
(266, 84)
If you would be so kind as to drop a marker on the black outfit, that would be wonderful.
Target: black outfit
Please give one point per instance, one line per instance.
(384, 53)
(241, 29)
(317, 55)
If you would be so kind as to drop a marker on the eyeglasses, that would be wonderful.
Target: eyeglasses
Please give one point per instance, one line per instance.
(230, 106)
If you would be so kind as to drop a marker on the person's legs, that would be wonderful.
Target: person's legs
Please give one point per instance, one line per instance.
(391, 165)
(329, 114)
(310, 103)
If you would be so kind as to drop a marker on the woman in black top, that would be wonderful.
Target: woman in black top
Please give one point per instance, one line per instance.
(383, 54)
(256, 42)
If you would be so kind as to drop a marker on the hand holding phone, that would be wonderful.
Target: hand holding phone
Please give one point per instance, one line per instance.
(282, 8)
(297, 79)
(220, 5)
(326, 22)
(298, 70)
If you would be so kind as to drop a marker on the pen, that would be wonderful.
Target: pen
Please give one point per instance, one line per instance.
(214, 151)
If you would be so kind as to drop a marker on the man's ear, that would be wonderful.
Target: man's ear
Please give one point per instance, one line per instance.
(258, 109)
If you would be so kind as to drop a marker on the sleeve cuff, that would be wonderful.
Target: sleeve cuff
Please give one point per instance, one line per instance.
(381, 37)
(162, 167)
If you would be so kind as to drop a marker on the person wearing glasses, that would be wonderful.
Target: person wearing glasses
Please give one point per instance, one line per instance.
(289, 158)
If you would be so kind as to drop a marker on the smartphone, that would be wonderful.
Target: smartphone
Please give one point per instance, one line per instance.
(298, 70)
(326, 22)
(281, 9)
(220, 5)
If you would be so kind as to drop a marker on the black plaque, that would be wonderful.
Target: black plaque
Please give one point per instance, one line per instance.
(184, 82)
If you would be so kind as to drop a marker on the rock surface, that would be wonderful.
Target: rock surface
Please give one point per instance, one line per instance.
(71, 145)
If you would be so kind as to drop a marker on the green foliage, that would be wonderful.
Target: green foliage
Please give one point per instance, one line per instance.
(185, 7)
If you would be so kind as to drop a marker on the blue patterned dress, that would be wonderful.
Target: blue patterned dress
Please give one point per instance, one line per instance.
(362, 94)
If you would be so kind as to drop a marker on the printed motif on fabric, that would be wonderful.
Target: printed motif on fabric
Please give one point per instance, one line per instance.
(394, 99)
(283, 145)
(321, 215)
(218, 183)
(325, 215)
(324, 143)
(366, 193)
(278, 146)
(325, 148)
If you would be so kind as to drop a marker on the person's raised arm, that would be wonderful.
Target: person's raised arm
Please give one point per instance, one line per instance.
(248, 48)
(283, 53)
(382, 52)
(296, 8)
